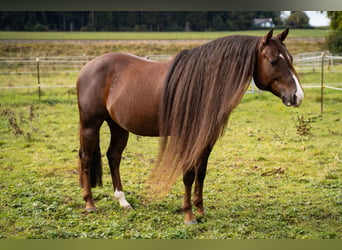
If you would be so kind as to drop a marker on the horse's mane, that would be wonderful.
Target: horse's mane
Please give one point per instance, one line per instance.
(201, 89)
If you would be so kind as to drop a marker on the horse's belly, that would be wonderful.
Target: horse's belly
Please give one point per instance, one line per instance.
(136, 116)
(139, 125)
(144, 130)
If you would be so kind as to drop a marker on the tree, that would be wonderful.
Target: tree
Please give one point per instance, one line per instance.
(334, 40)
(336, 19)
(297, 19)
(132, 20)
(198, 20)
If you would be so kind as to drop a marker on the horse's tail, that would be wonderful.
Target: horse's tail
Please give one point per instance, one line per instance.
(95, 168)
(201, 89)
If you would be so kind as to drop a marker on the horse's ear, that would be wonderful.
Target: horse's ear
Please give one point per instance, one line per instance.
(267, 38)
(283, 35)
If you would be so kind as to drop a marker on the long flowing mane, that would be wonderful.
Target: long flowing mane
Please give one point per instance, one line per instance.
(201, 89)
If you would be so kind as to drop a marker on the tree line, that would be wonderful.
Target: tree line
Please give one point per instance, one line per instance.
(334, 40)
(133, 20)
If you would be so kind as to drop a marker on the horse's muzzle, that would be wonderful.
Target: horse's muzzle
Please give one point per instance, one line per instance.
(293, 101)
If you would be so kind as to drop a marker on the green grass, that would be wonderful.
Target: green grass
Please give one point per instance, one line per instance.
(295, 33)
(330, 76)
(264, 180)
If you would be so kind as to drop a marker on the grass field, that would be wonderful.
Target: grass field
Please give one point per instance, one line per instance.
(265, 180)
(295, 33)
(275, 174)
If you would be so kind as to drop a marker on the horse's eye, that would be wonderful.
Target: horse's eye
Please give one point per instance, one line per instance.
(273, 62)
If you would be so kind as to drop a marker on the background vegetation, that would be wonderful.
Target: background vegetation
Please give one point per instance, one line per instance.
(335, 38)
(143, 20)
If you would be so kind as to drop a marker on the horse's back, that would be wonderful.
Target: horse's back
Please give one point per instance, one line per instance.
(125, 88)
(94, 75)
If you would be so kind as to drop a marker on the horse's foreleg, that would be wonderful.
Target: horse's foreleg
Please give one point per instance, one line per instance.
(200, 176)
(118, 143)
(198, 192)
(188, 180)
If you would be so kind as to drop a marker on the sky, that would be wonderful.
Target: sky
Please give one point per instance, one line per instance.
(317, 18)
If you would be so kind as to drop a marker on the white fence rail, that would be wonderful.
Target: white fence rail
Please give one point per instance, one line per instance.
(312, 61)
(59, 65)
(321, 61)
(32, 72)
(48, 65)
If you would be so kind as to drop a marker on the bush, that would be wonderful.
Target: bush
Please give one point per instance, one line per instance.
(334, 41)
(40, 27)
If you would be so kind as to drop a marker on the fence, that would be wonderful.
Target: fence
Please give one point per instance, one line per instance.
(37, 72)
(62, 71)
(325, 64)
(28, 72)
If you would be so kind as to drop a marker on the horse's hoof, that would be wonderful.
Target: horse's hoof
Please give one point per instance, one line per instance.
(190, 222)
(127, 207)
(91, 210)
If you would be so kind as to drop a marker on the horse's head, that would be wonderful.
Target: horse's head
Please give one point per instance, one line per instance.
(274, 71)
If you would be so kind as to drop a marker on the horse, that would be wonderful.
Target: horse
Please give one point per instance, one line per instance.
(186, 101)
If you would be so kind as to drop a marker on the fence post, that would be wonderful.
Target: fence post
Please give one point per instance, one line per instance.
(38, 77)
(322, 81)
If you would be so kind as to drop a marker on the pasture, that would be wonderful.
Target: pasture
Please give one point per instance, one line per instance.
(295, 33)
(265, 178)
(275, 174)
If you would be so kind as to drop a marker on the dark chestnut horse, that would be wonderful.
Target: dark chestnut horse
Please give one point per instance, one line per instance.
(186, 101)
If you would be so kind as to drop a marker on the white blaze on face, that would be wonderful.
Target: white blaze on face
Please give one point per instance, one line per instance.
(299, 92)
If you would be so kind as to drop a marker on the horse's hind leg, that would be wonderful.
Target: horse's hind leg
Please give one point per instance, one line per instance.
(90, 168)
(118, 143)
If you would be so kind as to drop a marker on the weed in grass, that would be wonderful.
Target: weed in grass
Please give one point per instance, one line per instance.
(279, 136)
(303, 126)
(16, 125)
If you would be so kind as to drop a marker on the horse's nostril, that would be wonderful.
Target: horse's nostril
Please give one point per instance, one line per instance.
(294, 99)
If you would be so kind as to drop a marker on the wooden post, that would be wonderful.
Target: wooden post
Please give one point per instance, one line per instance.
(322, 82)
(38, 77)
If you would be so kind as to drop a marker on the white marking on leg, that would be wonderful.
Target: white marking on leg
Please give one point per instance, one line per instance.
(299, 93)
(120, 196)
